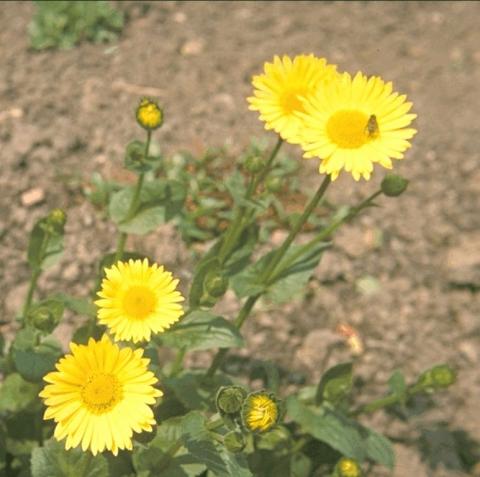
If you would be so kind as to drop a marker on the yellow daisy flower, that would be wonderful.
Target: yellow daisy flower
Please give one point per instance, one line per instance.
(260, 412)
(352, 124)
(278, 91)
(99, 395)
(137, 299)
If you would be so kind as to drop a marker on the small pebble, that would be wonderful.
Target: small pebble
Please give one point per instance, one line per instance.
(32, 197)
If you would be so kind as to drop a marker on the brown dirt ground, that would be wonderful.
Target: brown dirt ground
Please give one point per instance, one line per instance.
(65, 114)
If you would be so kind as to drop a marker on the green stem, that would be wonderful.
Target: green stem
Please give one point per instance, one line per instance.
(173, 449)
(239, 320)
(386, 401)
(236, 226)
(36, 272)
(177, 364)
(277, 257)
(122, 238)
(324, 234)
(214, 424)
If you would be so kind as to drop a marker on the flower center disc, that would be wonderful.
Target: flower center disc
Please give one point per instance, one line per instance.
(348, 129)
(290, 101)
(139, 302)
(101, 392)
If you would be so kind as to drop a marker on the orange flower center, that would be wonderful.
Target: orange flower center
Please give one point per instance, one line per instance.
(139, 302)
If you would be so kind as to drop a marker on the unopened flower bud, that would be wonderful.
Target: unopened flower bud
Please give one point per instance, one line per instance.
(216, 284)
(149, 115)
(439, 377)
(254, 164)
(234, 441)
(230, 399)
(393, 185)
(347, 468)
(55, 221)
(44, 319)
(260, 412)
(274, 184)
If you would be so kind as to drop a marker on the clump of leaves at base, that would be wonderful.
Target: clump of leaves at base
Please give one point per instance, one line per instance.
(64, 24)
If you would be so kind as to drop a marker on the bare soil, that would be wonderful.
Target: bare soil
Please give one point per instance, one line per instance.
(406, 275)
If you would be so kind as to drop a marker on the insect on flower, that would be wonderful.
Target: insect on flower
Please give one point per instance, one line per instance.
(371, 129)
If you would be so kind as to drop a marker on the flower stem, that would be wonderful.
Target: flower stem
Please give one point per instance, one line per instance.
(177, 364)
(386, 401)
(277, 257)
(122, 238)
(240, 319)
(236, 226)
(269, 270)
(36, 272)
(324, 234)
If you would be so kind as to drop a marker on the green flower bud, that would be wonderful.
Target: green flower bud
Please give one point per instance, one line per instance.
(55, 222)
(347, 468)
(393, 185)
(230, 399)
(45, 315)
(254, 164)
(439, 377)
(215, 284)
(274, 184)
(234, 441)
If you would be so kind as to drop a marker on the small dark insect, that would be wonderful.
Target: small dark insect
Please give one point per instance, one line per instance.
(371, 130)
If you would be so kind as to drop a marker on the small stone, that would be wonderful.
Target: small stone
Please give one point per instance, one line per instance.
(32, 197)
(179, 17)
(470, 351)
(192, 47)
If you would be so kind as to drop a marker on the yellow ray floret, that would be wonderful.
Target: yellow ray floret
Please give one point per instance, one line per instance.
(260, 412)
(138, 299)
(353, 123)
(99, 395)
(278, 91)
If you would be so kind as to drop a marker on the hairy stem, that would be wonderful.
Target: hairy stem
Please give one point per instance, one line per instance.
(122, 237)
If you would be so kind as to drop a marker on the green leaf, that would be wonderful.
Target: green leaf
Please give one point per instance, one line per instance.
(16, 394)
(202, 330)
(160, 201)
(154, 459)
(135, 160)
(3, 448)
(39, 255)
(328, 427)
(398, 386)
(53, 460)
(379, 449)
(193, 390)
(341, 433)
(300, 465)
(336, 384)
(80, 306)
(33, 362)
(196, 289)
(290, 282)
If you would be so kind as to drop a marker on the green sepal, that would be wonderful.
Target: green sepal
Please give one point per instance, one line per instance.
(136, 161)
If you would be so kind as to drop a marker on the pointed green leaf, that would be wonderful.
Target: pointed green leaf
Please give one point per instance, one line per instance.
(53, 460)
(202, 330)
